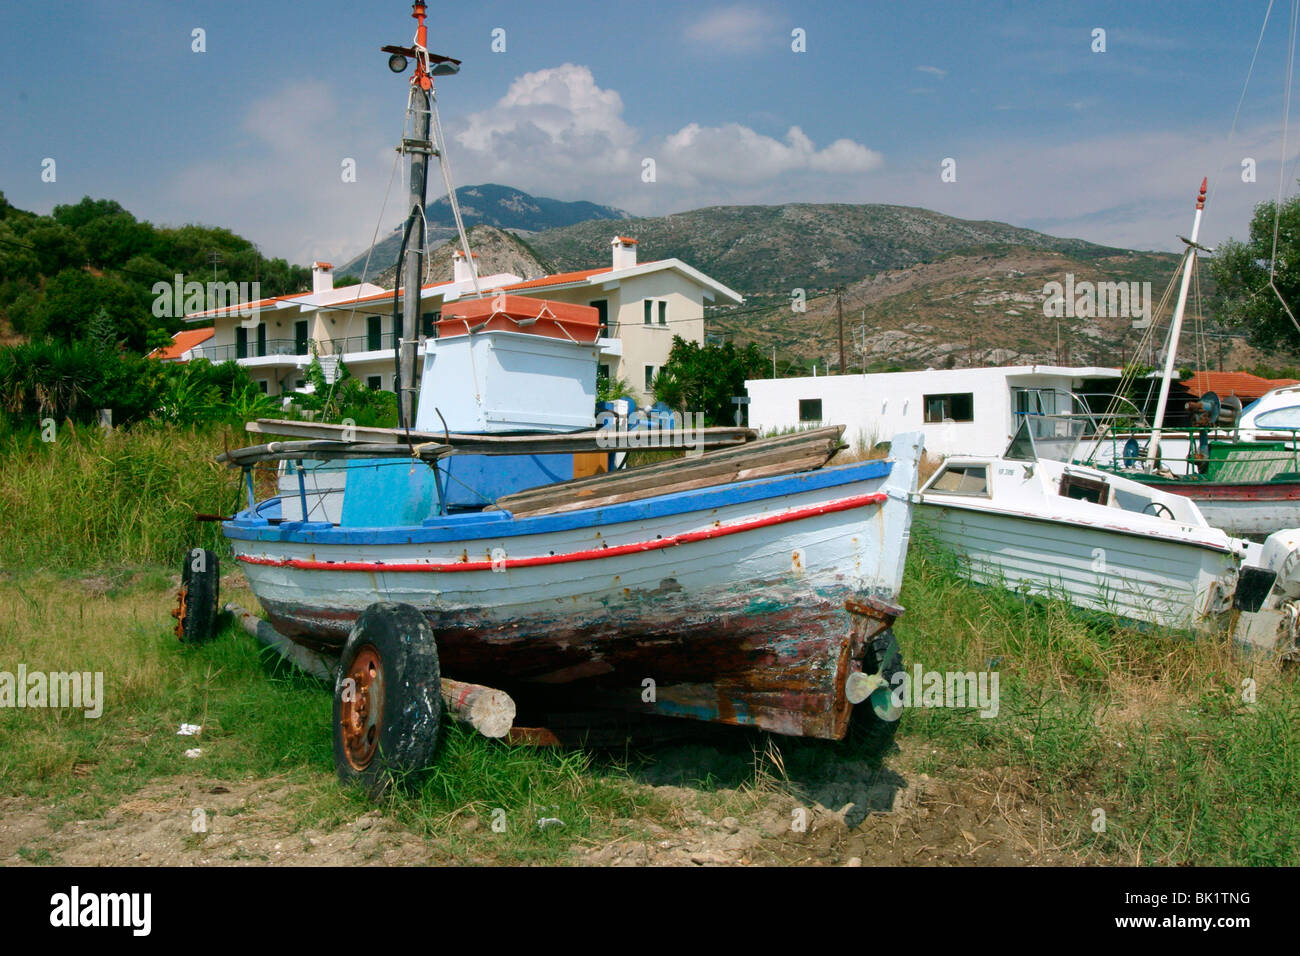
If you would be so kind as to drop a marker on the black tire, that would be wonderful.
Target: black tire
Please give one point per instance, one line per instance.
(387, 699)
(875, 720)
(197, 602)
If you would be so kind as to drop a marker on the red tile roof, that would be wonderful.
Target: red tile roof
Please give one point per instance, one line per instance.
(560, 278)
(1245, 386)
(182, 342)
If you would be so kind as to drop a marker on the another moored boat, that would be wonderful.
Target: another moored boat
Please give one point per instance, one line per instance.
(1101, 541)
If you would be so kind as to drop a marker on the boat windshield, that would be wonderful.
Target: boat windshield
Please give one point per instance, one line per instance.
(1281, 419)
(1053, 437)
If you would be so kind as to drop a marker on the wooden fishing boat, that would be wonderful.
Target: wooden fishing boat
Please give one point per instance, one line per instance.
(746, 584)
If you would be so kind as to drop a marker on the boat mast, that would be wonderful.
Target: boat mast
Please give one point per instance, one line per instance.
(1176, 329)
(419, 147)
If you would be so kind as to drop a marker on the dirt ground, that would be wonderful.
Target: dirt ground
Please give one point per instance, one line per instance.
(858, 816)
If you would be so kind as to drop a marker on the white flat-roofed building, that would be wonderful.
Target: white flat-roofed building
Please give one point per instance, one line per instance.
(969, 411)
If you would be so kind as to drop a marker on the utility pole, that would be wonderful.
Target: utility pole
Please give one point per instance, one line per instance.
(774, 361)
(862, 345)
(839, 311)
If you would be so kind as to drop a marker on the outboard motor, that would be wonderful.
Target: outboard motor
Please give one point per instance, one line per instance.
(1268, 597)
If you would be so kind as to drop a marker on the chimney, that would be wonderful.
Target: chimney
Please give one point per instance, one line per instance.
(460, 269)
(322, 277)
(624, 252)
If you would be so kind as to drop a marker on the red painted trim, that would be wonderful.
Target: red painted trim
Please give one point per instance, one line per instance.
(720, 531)
(1219, 491)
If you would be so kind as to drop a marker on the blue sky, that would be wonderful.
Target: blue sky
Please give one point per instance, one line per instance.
(1046, 133)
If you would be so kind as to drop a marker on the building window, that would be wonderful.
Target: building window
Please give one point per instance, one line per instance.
(300, 383)
(263, 386)
(649, 306)
(956, 407)
(602, 314)
(429, 324)
(261, 338)
(810, 409)
(374, 382)
(300, 337)
(241, 342)
(602, 372)
(663, 313)
(374, 333)
(649, 377)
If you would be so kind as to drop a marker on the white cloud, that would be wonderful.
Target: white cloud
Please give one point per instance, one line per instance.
(737, 154)
(737, 28)
(1131, 191)
(557, 133)
(933, 71)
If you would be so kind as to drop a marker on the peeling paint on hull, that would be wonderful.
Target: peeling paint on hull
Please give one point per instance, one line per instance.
(735, 611)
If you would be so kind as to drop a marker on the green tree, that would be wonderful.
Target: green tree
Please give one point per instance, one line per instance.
(74, 295)
(705, 378)
(1241, 273)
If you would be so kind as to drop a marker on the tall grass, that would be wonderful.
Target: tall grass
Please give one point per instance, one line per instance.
(1150, 726)
(93, 498)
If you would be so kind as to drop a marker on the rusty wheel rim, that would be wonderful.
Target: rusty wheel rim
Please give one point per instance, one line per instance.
(362, 716)
(180, 611)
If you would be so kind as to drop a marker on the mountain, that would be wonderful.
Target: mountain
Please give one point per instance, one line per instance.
(492, 205)
(774, 249)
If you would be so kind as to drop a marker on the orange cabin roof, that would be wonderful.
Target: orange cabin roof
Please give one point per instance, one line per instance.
(517, 313)
(182, 342)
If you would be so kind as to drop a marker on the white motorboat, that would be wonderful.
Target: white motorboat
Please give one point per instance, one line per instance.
(1031, 520)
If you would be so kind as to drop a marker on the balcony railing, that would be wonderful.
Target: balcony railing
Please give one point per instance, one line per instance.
(384, 342)
(296, 348)
(224, 353)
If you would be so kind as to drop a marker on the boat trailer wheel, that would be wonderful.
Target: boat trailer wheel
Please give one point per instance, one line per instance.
(387, 698)
(197, 600)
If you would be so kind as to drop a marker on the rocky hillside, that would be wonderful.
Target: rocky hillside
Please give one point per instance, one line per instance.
(774, 249)
(984, 308)
(497, 251)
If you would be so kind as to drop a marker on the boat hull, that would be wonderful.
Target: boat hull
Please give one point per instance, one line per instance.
(1140, 578)
(726, 604)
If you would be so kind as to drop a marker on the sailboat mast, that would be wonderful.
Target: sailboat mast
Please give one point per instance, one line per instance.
(1176, 329)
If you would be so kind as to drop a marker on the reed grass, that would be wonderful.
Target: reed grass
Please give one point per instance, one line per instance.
(100, 499)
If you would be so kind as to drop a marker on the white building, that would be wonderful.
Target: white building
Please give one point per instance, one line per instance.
(641, 306)
(971, 411)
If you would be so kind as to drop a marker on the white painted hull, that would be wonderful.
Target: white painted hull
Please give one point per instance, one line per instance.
(859, 551)
(1149, 580)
